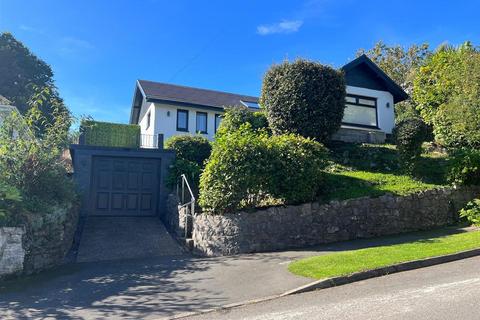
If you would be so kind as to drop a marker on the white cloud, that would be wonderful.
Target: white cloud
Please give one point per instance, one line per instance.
(284, 27)
(71, 47)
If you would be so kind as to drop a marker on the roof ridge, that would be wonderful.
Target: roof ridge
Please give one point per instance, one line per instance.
(196, 88)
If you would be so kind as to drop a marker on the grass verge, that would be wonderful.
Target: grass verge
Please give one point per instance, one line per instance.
(348, 262)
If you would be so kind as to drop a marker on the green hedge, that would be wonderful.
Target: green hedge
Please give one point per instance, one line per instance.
(191, 153)
(305, 98)
(110, 134)
(249, 169)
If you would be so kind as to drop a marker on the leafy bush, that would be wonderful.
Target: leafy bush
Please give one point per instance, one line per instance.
(191, 152)
(191, 148)
(447, 73)
(248, 168)
(471, 212)
(457, 123)
(234, 117)
(110, 134)
(33, 166)
(409, 136)
(305, 98)
(465, 167)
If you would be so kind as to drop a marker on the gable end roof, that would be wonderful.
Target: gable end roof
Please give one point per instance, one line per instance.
(398, 93)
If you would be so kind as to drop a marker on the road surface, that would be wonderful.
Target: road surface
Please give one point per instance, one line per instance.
(447, 291)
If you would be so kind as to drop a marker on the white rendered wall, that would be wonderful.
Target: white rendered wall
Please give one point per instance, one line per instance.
(164, 120)
(386, 115)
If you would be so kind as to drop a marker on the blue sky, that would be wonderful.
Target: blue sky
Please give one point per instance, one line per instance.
(98, 49)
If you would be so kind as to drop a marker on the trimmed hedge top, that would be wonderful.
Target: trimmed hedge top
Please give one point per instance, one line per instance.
(110, 134)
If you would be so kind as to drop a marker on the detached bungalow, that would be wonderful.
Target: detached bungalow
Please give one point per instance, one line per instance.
(168, 109)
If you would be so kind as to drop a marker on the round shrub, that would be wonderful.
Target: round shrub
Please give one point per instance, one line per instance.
(305, 98)
(465, 167)
(234, 117)
(249, 168)
(191, 148)
(409, 136)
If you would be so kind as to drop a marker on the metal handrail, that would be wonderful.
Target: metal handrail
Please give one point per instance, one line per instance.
(184, 204)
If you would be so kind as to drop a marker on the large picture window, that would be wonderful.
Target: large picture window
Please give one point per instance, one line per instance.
(360, 111)
(201, 122)
(182, 120)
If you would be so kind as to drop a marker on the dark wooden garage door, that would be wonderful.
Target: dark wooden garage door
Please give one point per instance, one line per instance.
(125, 186)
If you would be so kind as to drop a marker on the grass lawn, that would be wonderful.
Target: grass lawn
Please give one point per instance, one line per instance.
(427, 244)
(358, 170)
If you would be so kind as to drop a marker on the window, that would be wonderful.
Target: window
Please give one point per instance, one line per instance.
(218, 120)
(182, 120)
(250, 104)
(201, 122)
(149, 117)
(360, 111)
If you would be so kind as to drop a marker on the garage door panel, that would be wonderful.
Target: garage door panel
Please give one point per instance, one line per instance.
(103, 200)
(103, 181)
(146, 201)
(118, 180)
(125, 186)
(117, 201)
(147, 180)
(133, 181)
(132, 201)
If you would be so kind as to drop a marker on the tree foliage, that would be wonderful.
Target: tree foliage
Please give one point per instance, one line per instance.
(31, 166)
(446, 74)
(447, 91)
(305, 98)
(23, 76)
(235, 117)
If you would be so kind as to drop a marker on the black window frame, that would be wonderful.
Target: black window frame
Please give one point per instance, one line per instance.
(206, 122)
(357, 103)
(186, 113)
(149, 119)
(217, 116)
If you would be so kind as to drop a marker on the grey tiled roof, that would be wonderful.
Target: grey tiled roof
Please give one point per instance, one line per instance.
(203, 97)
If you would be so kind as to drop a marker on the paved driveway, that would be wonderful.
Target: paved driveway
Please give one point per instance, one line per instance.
(111, 238)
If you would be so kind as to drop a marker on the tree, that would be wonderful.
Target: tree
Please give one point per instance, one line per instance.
(401, 64)
(447, 94)
(305, 98)
(23, 76)
(446, 74)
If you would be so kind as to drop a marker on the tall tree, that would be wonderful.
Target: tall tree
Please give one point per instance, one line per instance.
(401, 64)
(447, 94)
(23, 76)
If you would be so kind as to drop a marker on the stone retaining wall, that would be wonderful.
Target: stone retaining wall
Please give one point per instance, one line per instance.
(41, 243)
(279, 228)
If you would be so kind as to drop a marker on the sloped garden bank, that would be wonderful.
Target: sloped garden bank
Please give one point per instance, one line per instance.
(309, 224)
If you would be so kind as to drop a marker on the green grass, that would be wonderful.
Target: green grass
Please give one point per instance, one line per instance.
(348, 262)
(358, 170)
(354, 184)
